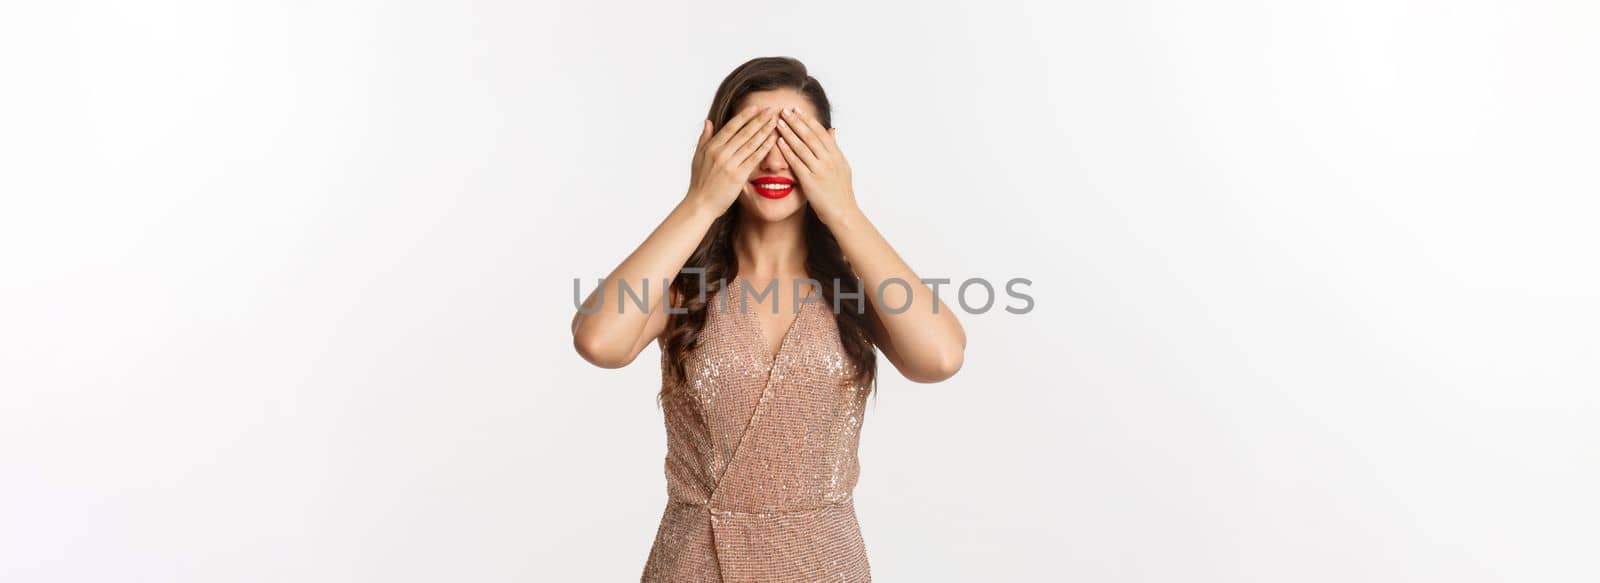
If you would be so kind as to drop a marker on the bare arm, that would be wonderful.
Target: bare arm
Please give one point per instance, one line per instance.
(924, 341)
(613, 336)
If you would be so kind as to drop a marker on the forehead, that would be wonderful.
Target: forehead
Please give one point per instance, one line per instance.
(778, 98)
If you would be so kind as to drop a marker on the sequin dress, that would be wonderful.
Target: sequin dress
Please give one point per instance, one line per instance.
(761, 455)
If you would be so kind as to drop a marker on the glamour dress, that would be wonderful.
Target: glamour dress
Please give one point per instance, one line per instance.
(761, 454)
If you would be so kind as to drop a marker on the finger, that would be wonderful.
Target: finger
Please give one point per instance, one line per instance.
(754, 128)
(704, 136)
(752, 143)
(811, 131)
(796, 143)
(766, 146)
(823, 135)
(733, 126)
(799, 166)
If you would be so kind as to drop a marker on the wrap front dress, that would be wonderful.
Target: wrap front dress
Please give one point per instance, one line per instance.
(761, 454)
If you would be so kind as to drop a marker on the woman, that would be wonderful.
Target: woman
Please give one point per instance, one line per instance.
(764, 383)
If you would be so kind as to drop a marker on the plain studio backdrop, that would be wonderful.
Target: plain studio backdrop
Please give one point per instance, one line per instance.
(286, 288)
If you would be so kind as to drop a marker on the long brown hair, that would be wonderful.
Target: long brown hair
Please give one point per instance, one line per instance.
(825, 261)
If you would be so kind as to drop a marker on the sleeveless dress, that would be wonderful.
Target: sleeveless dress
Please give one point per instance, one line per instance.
(761, 454)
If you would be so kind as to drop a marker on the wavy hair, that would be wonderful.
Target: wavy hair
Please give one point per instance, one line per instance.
(825, 261)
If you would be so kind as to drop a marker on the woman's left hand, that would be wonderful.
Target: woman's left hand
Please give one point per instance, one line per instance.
(815, 158)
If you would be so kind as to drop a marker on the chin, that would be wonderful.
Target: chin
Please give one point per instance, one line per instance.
(772, 210)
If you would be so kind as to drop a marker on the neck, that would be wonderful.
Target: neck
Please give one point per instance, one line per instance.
(772, 250)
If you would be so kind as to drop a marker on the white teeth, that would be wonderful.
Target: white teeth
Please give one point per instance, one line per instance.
(770, 186)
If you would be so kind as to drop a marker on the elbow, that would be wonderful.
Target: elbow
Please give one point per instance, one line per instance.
(944, 366)
(950, 363)
(598, 352)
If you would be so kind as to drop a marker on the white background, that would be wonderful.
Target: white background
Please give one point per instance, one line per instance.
(286, 288)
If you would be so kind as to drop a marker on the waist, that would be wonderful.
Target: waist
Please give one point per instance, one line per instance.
(847, 502)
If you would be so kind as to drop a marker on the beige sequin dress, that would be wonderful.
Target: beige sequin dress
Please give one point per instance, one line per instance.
(761, 455)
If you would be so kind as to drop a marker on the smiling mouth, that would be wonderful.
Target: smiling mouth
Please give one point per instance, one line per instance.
(773, 187)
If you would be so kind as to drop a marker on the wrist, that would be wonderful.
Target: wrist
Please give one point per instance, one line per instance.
(700, 206)
(843, 216)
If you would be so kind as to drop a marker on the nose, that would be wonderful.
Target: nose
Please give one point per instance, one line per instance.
(774, 163)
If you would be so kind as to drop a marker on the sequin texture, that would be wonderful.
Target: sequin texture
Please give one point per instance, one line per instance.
(761, 455)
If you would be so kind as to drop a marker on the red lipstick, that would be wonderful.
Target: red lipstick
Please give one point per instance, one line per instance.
(781, 186)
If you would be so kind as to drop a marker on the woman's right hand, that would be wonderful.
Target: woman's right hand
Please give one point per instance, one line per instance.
(722, 163)
(606, 330)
